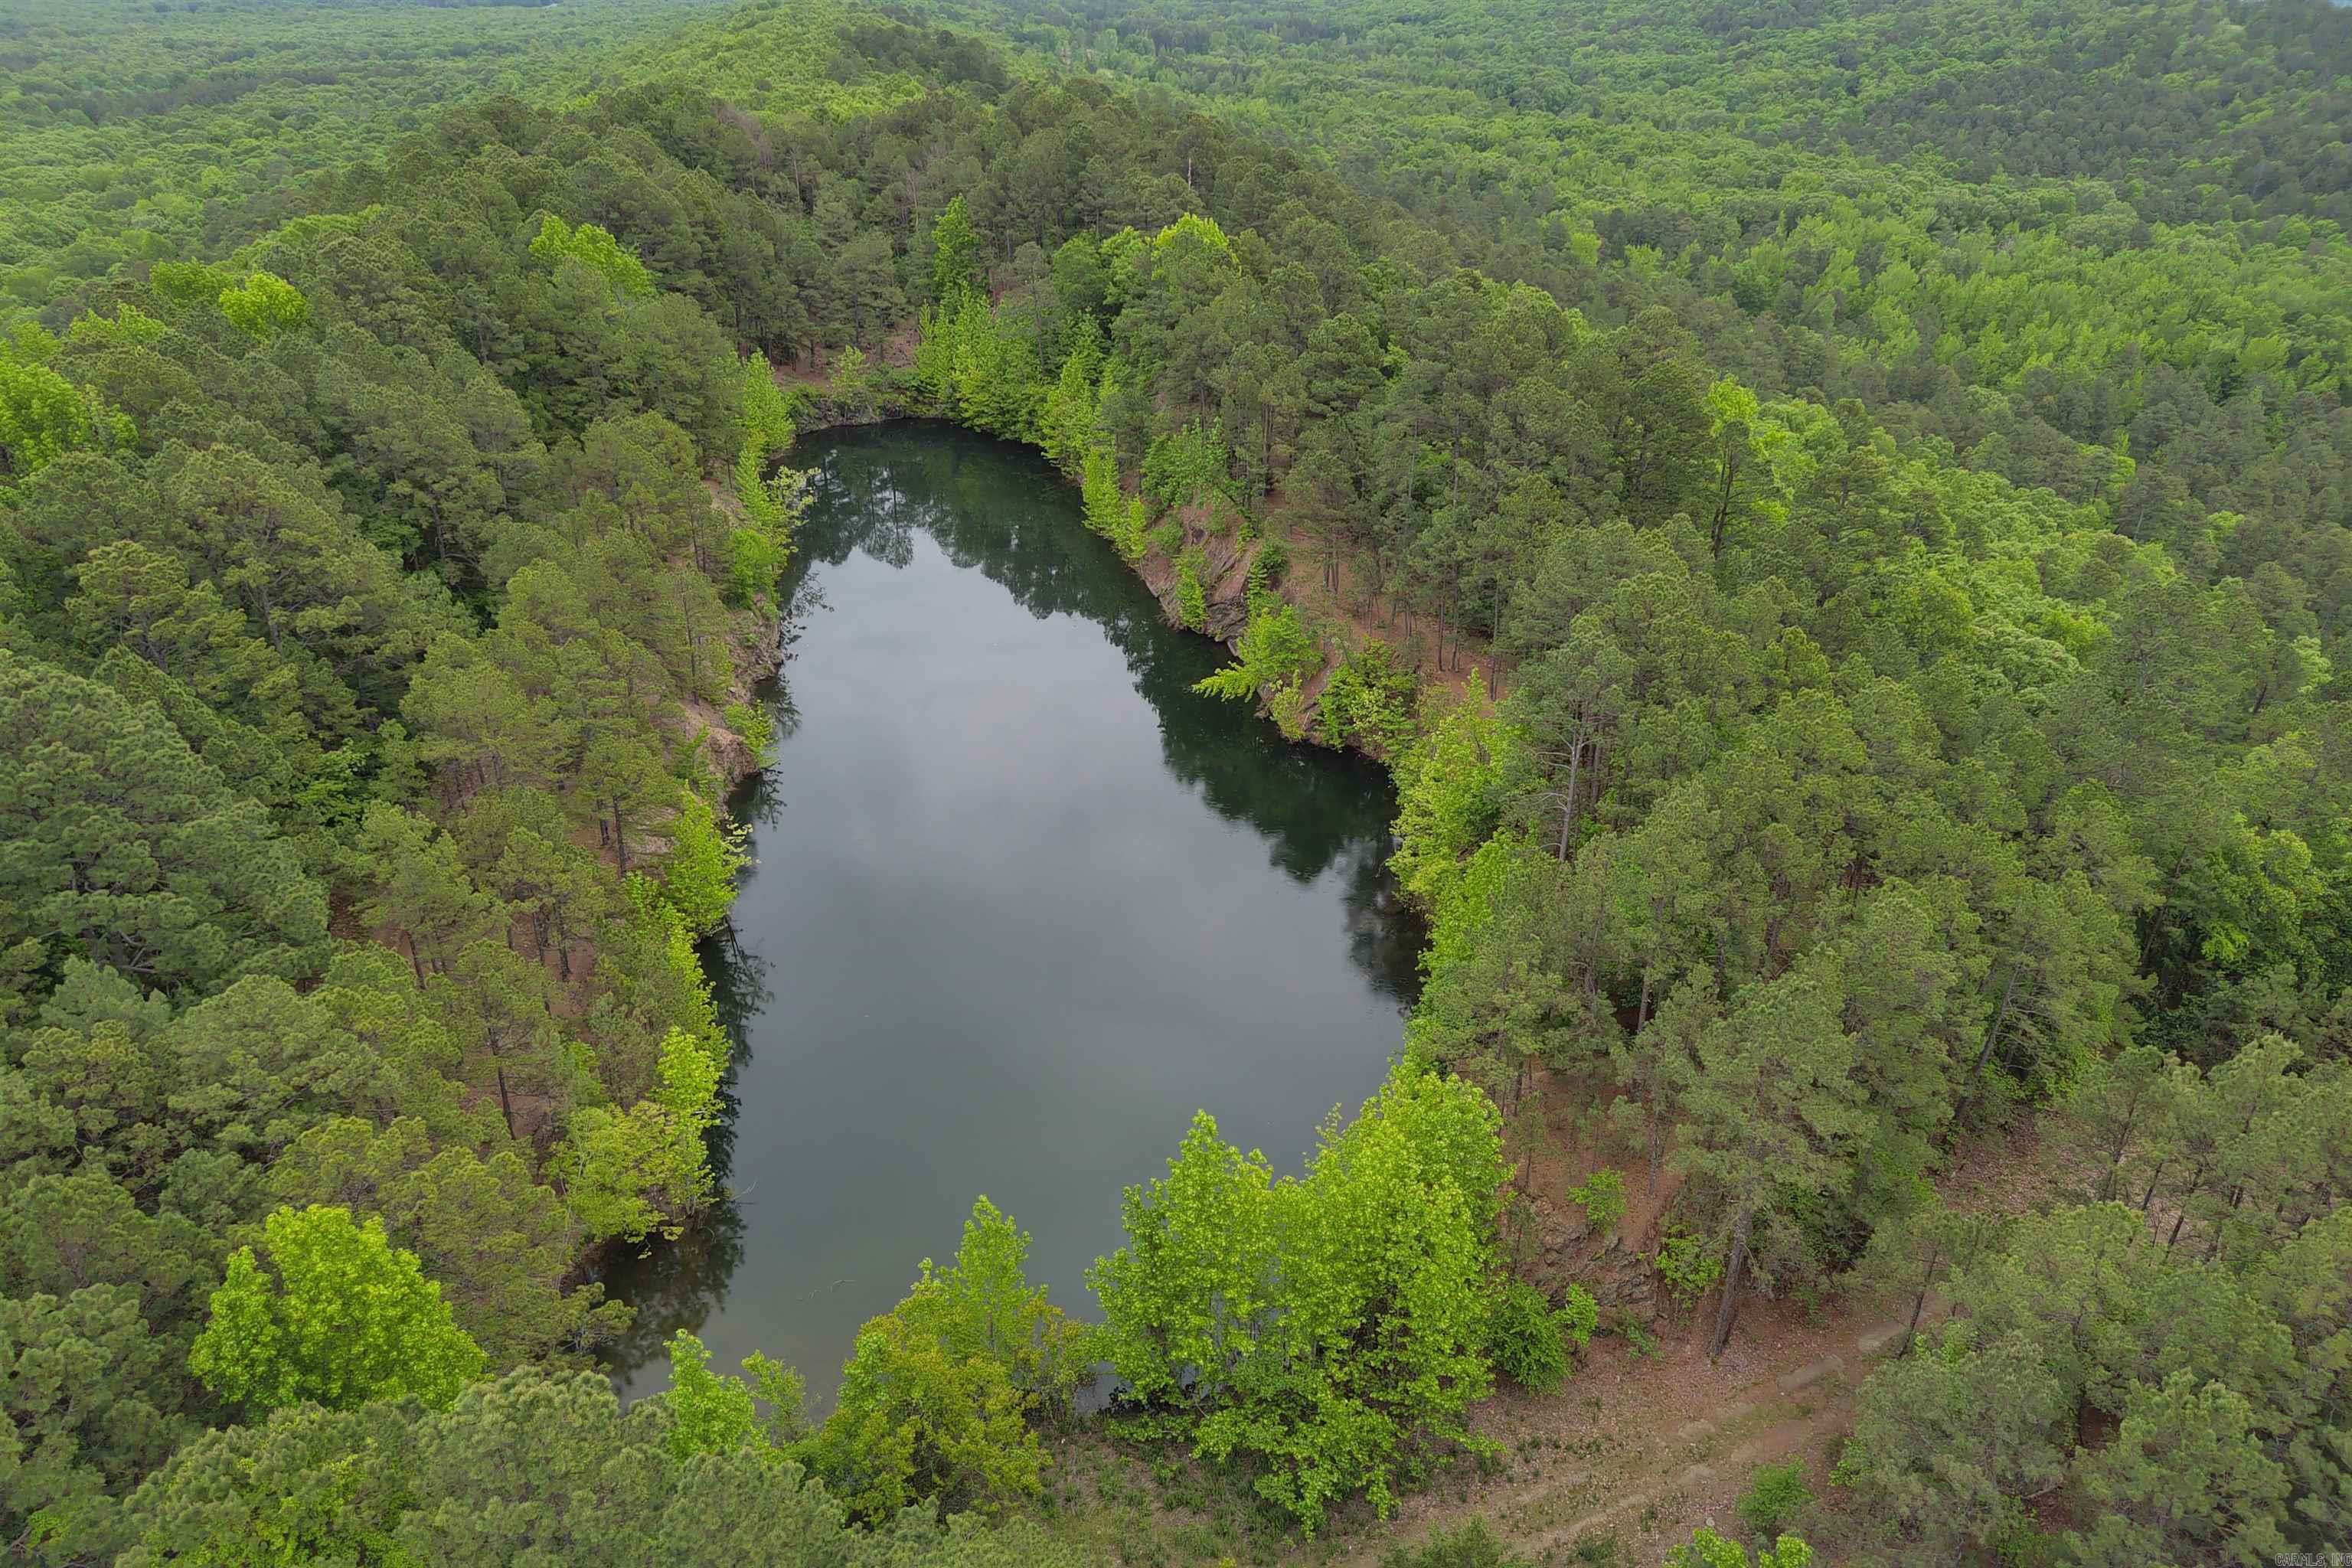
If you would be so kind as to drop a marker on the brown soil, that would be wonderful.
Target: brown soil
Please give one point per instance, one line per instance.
(1647, 1448)
(1637, 1451)
(1376, 618)
(896, 352)
(722, 498)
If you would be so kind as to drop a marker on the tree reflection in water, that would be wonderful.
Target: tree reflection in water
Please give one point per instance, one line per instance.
(1314, 815)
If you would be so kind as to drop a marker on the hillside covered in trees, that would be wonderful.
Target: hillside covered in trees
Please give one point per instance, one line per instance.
(1836, 516)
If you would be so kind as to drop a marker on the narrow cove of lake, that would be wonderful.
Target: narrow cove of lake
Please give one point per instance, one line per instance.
(1021, 902)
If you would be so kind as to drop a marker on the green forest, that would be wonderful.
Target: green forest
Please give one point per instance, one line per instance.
(1834, 515)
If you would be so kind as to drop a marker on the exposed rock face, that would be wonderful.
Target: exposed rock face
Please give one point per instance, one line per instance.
(1224, 577)
(1568, 1252)
(729, 757)
(758, 653)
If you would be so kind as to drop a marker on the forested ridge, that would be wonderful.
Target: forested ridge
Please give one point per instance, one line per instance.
(129, 129)
(1903, 541)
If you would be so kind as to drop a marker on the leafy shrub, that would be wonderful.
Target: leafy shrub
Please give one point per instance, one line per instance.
(1109, 510)
(1449, 794)
(1708, 1550)
(715, 1413)
(1578, 1317)
(850, 385)
(755, 560)
(1185, 465)
(1522, 1340)
(757, 552)
(1287, 704)
(1471, 1546)
(1532, 1342)
(1065, 425)
(647, 1168)
(917, 1422)
(982, 1304)
(698, 877)
(754, 726)
(1776, 1494)
(1601, 1197)
(1192, 599)
(1276, 652)
(979, 367)
(1690, 1267)
(1369, 701)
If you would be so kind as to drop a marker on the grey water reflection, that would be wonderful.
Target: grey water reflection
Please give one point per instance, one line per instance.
(1021, 903)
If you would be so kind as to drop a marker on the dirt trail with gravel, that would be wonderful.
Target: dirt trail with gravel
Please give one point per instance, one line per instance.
(1647, 1448)
(1644, 1448)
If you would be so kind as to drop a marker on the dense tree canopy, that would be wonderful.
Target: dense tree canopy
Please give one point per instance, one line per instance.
(1887, 467)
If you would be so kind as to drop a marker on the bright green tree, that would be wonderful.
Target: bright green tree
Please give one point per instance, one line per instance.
(955, 256)
(336, 1315)
(1449, 794)
(1183, 1300)
(1707, 1550)
(936, 1400)
(716, 1413)
(1329, 1327)
(595, 249)
(43, 416)
(264, 306)
(629, 1173)
(982, 1304)
(919, 1423)
(705, 856)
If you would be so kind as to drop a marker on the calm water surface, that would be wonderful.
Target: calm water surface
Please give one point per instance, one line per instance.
(1020, 903)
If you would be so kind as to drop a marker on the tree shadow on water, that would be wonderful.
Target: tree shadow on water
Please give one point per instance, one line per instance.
(1008, 513)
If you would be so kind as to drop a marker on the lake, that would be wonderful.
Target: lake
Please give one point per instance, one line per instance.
(1020, 901)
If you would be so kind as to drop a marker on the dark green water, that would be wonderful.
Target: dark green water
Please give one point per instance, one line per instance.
(1020, 903)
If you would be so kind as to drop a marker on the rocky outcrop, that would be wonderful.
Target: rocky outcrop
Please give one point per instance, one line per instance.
(1618, 1273)
(758, 653)
(728, 756)
(1225, 576)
